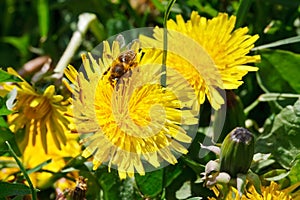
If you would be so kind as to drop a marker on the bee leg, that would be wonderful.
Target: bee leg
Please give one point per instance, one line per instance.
(106, 71)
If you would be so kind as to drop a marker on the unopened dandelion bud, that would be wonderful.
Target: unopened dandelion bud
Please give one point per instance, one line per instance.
(237, 152)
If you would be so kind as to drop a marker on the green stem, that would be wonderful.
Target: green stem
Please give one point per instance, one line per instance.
(277, 97)
(251, 106)
(163, 80)
(242, 11)
(33, 190)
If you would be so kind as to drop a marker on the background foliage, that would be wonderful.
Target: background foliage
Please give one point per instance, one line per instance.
(267, 102)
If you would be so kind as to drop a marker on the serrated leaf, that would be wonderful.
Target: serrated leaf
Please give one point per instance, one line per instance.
(151, 184)
(281, 138)
(278, 74)
(6, 77)
(10, 189)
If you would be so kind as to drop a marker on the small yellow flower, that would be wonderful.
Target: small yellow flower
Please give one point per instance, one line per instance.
(33, 155)
(39, 115)
(209, 53)
(134, 120)
(268, 192)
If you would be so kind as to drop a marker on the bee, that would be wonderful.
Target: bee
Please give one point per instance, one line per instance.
(80, 190)
(124, 63)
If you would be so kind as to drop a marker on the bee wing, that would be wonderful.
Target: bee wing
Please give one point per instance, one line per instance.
(121, 40)
(134, 45)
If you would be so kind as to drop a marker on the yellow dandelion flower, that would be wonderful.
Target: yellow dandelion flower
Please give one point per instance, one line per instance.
(135, 119)
(33, 155)
(226, 48)
(8, 168)
(39, 114)
(268, 192)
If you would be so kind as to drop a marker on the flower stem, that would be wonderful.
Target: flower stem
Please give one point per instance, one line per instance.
(163, 80)
(33, 190)
(83, 24)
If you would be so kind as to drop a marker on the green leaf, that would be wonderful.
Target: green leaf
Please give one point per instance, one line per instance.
(281, 137)
(43, 17)
(158, 4)
(110, 183)
(3, 108)
(40, 166)
(197, 167)
(290, 40)
(10, 189)
(260, 165)
(6, 77)
(98, 30)
(242, 12)
(295, 173)
(7, 135)
(276, 174)
(279, 71)
(21, 43)
(185, 191)
(128, 190)
(151, 184)
(3, 123)
(172, 172)
(13, 153)
(254, 180)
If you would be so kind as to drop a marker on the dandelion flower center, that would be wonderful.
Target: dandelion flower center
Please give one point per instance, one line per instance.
(36, 107)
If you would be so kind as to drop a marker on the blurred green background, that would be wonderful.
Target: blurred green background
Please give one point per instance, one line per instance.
(44, 27)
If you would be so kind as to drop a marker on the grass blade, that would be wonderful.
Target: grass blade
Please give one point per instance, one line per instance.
(242, 12)
(32, 189)
(290, 40)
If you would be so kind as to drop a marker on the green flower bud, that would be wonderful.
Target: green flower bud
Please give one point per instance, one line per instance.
(237, 152)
